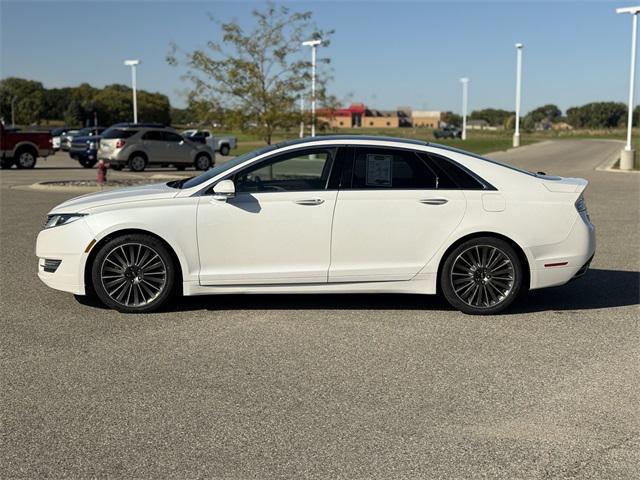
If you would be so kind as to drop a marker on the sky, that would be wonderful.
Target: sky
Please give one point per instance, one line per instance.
(384, 53)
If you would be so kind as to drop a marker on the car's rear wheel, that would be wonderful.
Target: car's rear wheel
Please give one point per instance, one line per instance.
(482, 276)
(137, 162)
(25, 158)
(202, 162)
(133, 273)
(224, 150)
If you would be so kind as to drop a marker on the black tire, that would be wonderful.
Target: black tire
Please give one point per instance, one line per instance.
(202, 162)
(138, 162)
(123, 288)
(224, 150)
(25, 158)
(87, 163)
(482, 276)
(6, 163)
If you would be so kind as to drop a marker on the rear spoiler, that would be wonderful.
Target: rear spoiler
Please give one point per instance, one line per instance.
(565, 185)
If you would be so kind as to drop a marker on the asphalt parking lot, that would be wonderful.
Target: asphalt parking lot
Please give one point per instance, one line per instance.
(352, 386)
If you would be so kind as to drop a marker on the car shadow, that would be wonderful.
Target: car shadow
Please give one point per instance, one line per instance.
(599, 288)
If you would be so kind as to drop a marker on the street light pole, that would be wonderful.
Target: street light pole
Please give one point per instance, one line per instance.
(465, 83)
(627, 156)
(516, 135)
(133, 64)
(301, 116)
(314, 45)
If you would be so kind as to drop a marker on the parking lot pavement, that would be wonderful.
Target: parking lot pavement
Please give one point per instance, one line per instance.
(352, 386)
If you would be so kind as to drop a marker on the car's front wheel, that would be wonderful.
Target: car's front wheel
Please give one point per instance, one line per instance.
(133, 273)
(224, 150)
(482, 276)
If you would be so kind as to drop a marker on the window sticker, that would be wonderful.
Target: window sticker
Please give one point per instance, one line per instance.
(379, 170)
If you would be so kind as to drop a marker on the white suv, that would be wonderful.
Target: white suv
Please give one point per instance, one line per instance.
(136, 147)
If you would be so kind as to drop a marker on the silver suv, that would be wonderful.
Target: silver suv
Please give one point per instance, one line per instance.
(137, 146)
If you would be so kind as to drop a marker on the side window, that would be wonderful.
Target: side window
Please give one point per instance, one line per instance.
(152, 135)
(290, 172)
(451, 175)
(392, 169)
(171, 137)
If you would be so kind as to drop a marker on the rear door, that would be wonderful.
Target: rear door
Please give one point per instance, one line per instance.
(391, 216)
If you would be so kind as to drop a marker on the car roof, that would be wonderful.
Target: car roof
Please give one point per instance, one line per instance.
(348, 137)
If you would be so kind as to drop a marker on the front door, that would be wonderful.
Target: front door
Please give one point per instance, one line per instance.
(391, 217)
(277, 228)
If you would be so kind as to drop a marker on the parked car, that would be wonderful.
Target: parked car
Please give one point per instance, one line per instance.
(326, 215)
(85, 150)
(57, 134)
(224, 145)
(448, 132)
(137, 147)
(67, 140)
(23, 148)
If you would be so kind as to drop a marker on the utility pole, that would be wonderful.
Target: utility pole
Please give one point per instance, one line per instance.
(627, 155)
(516, 135)
(465, 93)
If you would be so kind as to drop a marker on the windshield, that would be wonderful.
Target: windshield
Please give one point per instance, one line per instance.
(218, 169)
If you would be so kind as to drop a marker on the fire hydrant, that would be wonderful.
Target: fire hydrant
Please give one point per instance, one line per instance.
(102, 172)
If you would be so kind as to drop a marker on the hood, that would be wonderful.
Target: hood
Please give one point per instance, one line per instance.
(87, 138)
(122, 195)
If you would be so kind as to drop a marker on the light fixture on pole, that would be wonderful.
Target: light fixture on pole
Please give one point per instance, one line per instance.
(516, 135)
(465, 84)
(314, 45)
(133, 64)
(627, 156)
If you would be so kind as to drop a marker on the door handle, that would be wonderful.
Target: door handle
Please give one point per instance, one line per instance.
(434, 201)
(310, 201)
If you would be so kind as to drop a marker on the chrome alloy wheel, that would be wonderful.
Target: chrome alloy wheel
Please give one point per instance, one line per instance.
(482, 276)
(137, 163)
(133, 274)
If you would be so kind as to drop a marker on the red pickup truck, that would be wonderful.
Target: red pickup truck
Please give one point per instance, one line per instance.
(23, 148)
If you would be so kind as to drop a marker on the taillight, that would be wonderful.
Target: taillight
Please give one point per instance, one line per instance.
(120, 144)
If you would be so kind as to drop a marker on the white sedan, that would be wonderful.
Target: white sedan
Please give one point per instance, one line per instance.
(339, 214)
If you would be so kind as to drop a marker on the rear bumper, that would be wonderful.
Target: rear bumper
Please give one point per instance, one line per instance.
(559, 263)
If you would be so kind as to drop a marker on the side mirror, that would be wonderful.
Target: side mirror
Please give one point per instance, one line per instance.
(224, 190)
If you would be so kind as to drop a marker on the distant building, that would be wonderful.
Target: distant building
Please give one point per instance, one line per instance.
(426, 118)
(479, 125)
(358, 115)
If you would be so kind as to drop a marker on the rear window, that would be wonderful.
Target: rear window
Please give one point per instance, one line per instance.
(118, 133)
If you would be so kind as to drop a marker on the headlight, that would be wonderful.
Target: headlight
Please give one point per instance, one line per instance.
(62, 219)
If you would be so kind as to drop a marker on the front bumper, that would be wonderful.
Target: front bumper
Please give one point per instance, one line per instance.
(66, 244)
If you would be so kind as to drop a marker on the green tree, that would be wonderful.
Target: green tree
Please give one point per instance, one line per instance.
(598, 115)
(451, 118)
(27, 97)
(259, 73)
(494, 116)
